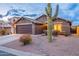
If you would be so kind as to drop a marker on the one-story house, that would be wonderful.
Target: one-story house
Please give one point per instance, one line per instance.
(77, 29)
(5, 26)
(12, 20)
(26, 25)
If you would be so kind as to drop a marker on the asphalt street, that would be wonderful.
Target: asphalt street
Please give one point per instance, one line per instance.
(2, 53)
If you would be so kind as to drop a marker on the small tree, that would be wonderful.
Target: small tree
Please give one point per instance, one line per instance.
(50, 19)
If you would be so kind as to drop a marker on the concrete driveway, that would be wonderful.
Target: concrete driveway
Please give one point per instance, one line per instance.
(8, 38)
(5, 51)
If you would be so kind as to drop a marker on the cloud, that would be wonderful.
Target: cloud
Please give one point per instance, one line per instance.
(69, 11)
(18, 12)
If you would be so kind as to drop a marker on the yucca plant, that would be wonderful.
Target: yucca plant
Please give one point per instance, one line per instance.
(50, 19)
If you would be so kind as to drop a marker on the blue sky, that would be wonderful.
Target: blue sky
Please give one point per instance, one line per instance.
(66, 11)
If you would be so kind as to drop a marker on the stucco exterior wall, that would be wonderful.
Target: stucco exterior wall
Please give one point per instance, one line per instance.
(24, 21)
(42, 19)
(65, 26)
(38, 29)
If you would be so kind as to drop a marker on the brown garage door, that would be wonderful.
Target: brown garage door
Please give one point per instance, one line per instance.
(24, 29)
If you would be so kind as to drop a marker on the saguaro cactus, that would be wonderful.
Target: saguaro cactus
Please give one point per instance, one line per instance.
(50, 19)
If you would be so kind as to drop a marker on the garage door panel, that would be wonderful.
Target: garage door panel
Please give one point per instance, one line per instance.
(24, 29)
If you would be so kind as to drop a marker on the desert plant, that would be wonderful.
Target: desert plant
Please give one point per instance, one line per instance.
(25, 39)
(55, 33)
(66, 34)
(45, 32)
(50, 19)
(3, 31)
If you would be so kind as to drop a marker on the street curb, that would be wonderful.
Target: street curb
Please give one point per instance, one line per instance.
(19, 53)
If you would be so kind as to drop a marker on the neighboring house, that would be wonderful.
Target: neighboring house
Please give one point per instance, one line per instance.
(60, 24)
(1, 23)
(7, 27)
(12, 20)
(77, 30)
(26, 25)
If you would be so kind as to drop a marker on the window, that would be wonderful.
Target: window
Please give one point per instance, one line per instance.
(58, 27)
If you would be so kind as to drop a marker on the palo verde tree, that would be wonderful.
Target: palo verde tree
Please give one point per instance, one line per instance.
(50, 19)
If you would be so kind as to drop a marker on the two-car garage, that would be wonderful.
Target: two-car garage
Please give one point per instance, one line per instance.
(29, 28)
(24, 28)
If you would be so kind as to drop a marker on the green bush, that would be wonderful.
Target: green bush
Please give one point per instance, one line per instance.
(3, 32)
(26, 39)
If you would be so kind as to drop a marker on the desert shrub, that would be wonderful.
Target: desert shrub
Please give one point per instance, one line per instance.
(61, 33)
(45, 32)
(25, 39)
(66, 34)
(54, 33)
(3, 31)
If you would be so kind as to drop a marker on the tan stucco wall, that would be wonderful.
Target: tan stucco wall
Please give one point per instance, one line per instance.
(38, 29)
(65, 25)
(42, 19)
(24, 21)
